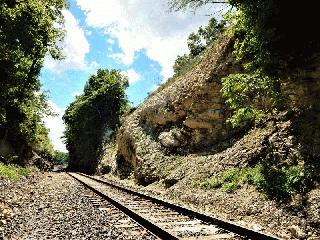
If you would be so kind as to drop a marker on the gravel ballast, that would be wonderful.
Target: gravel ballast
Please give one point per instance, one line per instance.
(55, 206)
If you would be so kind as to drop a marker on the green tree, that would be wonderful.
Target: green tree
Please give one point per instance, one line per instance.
(29, 29)
(94, 117)
(61, 157)
(198, 42)
(276, 36)
(204, 37)
(178, 5)
(274, 39)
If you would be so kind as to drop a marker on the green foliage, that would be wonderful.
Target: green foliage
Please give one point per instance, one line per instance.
(231, 175)
(177, 5)
(271, 42)
(231, 178)
(251, 96)
(252, 175)
(198, 42)
(204, 37)
(94, 117)
(209, 184)
(299, 178)
(276, 36)
(182, 63)
(280, 183)
(230, 187)
(13, 172)
(271, 180)
(29, 30)
(273, 39)
(61, 157)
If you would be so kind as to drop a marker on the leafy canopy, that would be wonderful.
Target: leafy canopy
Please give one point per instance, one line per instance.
(273, 39)
(178, 5)
(94, 117)
(198, 42)
(29, 29)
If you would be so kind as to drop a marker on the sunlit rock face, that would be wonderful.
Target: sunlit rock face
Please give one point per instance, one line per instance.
(187, 115)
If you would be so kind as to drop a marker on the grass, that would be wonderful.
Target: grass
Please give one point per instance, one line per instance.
(209, 184)
(231, 175)
(272, 181)
(230, 187)
(13, 172)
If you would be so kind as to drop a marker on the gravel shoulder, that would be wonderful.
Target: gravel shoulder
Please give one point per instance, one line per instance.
(55, 206)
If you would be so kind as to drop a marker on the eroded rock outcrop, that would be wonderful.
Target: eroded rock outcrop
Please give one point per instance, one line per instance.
(187, 115)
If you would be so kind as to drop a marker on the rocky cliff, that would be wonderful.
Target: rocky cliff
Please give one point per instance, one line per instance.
(179, 142)
(188, 117)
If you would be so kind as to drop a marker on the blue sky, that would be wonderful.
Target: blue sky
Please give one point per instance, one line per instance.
(141, 38)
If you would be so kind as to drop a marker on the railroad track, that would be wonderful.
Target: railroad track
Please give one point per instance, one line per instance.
(164, 219)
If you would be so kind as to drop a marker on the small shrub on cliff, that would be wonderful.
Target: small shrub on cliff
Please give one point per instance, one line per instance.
(252, 175)
(231, 175)
(250, 96)
(211, 183)
(282, 183)
(278, 182)
(208, 184)
(272, 181)
(231, 179)
(230, 187)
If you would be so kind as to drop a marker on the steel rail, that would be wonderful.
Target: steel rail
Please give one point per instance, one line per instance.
(223, 224)
(149, 225)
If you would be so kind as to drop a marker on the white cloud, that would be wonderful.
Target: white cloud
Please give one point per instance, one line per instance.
(94, 65)
(132, 75)
(75, 47)
(111, 41)
(56, 126)
(76, 94)
(144, 25)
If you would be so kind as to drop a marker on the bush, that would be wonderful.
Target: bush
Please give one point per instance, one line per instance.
(251, 96)
(274, 182)
(299, 178)
(230, 187)
(279, 183)
(211, 183)
(231, 175)
(208, 184)
(252, 175)
(13, 172)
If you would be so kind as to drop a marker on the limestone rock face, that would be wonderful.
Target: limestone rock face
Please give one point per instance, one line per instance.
(189, 113)
(189, 116)
(303, 91)
(167, 139)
